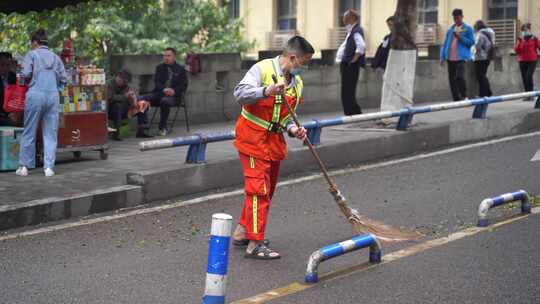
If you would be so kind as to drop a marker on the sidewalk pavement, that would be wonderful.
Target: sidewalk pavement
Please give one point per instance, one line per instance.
(101, 185)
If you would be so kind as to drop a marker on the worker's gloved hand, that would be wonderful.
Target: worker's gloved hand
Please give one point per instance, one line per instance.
(299, 133)
(274, 89)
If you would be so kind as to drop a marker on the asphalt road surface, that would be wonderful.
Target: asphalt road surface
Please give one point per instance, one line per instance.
(160, 257)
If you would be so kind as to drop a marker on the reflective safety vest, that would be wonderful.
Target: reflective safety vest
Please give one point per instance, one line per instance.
(259, 128)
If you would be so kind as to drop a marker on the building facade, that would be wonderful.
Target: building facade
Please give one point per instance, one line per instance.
(271, 22)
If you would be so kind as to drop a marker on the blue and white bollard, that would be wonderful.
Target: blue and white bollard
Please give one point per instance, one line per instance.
(218, 255)
(489, 203)
(334, 250)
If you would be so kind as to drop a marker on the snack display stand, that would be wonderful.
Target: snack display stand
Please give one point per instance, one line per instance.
(83, 117)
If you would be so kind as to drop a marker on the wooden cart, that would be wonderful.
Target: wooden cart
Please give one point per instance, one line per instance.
(83, 131)
(82, 122)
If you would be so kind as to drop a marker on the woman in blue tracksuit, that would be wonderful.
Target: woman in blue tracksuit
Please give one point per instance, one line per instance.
(47, 77)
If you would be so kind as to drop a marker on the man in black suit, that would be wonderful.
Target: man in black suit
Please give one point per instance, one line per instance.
(170, 83)
(7, 76)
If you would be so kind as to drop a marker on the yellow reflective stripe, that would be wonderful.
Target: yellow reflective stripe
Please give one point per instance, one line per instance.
(255, 202)
(277, 110)
(277, 100)
(251, 162)
(256, 120)
(265, 192)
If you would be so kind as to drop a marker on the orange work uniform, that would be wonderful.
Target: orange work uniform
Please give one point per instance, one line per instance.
(261, 147)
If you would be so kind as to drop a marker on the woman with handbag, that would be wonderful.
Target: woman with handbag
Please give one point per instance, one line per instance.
(47, 76)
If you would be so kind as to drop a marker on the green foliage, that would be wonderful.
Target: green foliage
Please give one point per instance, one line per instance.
(109, 27)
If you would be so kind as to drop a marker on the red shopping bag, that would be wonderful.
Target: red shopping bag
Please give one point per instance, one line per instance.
(14, 96)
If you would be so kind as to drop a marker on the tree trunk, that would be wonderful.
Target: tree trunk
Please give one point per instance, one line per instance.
(403, 36)
(398, 85)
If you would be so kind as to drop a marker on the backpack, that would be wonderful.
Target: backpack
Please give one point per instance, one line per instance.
(494, 52)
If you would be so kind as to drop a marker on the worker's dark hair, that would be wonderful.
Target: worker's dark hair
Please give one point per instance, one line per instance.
(40, 37)
(124, 74)
(298, 45)
(171, 49)
(478, 25)
(457, 12)
(6, 55)
(391, 18)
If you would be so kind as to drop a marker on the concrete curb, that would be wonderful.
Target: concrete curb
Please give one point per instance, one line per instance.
(165, 184)
(154, 185)
(59, 208)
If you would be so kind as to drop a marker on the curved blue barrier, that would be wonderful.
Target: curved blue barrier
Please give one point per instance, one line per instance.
(341, 248)
(489, 203)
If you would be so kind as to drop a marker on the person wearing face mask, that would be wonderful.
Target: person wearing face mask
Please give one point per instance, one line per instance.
(259, 137)
(526, 49)
(350, 57)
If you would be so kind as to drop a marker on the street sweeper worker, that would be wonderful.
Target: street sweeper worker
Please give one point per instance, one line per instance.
(259, 137)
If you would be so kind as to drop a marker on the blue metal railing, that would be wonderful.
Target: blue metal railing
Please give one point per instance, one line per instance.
(197, 142)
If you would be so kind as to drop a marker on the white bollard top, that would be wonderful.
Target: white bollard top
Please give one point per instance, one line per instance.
(221, 216)
(221, 224)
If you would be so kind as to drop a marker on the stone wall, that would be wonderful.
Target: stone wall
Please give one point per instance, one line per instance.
(210, 98)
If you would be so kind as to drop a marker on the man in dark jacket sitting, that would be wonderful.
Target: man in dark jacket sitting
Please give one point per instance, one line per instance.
(170, 84)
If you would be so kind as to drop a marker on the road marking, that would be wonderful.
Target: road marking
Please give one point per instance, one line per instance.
(210, 197)
(297, 287)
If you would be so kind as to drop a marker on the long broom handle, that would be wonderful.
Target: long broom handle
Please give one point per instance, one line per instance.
(307, 141)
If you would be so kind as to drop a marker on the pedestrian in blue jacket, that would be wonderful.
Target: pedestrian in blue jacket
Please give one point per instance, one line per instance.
(456, 51)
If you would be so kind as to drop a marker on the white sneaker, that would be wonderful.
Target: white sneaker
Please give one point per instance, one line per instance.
(163, 132)
(22, 171)
(49, 172)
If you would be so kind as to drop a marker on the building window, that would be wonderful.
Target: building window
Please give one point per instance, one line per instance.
(286, 14)
(428, 11)
(234, 9)
(345, 5)
(502, 9)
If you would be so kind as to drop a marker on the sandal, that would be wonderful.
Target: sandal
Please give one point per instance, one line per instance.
(245, 242)
(261, 252)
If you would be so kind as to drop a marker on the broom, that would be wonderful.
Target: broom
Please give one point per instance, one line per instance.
(360, 224)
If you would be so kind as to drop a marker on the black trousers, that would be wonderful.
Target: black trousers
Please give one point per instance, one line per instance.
(164, 103)
(349, 78)
(527, 71)
(480, 68)
(119, 111)
(456, 77)
(5, 120)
